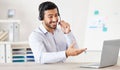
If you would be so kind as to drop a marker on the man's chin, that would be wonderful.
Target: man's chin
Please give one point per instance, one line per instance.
(54, 28)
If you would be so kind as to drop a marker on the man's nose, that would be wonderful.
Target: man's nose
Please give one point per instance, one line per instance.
(54, 19)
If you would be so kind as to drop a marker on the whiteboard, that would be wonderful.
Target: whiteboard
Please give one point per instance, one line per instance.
(103, 23)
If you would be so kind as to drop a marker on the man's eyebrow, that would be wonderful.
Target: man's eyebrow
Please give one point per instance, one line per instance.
(50, 14)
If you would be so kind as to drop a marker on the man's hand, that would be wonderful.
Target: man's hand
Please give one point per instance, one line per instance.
(65, 27)
(72, 51)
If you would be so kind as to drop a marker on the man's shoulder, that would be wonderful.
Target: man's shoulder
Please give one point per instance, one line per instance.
(36, 32)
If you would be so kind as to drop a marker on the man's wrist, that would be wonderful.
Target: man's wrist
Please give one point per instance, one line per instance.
(67, 32)
(66, 54)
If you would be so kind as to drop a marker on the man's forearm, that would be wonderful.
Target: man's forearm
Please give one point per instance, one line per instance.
(53, 57)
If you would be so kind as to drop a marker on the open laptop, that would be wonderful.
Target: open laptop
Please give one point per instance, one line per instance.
(109, 56)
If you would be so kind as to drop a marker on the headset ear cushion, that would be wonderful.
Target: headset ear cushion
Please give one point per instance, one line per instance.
(41, 12)
(40, 17)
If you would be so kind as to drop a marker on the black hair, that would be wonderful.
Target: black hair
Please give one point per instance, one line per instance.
(46, 6)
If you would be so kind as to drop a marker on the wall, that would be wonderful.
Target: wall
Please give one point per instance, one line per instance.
(74, 12)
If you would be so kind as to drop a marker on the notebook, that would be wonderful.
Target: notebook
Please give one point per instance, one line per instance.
(109, 56)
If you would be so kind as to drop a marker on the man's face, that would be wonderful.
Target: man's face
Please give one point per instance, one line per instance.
(51, 18)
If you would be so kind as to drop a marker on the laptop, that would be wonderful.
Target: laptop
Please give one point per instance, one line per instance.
(109, 55)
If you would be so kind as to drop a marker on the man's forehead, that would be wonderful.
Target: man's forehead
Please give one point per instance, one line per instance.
(51, 11)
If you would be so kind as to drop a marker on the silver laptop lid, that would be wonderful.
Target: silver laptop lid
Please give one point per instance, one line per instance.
(110, 52)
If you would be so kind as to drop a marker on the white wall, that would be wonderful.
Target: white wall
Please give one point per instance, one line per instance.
(74, 12)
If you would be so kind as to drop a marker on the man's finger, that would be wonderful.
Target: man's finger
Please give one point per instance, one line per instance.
(81, 50)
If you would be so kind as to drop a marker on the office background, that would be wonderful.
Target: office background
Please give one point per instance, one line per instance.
(92, 21)
(27, 12)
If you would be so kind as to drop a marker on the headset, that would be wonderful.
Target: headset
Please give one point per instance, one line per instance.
(46, 6)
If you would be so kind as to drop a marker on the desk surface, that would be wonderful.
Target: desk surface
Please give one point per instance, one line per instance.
(58, 66)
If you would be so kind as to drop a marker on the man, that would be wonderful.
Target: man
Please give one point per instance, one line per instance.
(49, 43)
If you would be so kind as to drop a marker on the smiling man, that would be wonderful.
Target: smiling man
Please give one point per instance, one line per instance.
(49, 43)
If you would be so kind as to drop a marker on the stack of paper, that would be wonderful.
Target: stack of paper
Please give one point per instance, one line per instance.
(3, 35)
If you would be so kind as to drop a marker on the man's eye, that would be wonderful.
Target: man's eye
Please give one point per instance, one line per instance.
(49, 16)
(56, 15)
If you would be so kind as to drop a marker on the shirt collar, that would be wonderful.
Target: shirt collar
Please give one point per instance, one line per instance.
(42, 28)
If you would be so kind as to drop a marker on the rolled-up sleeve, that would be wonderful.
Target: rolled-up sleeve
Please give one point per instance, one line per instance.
(70, 38)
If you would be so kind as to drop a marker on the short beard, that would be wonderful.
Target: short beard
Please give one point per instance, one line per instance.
(50, 26)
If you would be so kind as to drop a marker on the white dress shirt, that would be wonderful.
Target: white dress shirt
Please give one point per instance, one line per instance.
(48, 47)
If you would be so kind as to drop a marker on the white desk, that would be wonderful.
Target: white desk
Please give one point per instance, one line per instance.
(59, 66)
